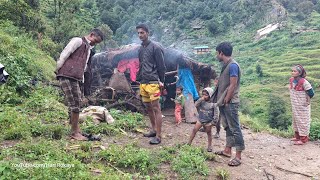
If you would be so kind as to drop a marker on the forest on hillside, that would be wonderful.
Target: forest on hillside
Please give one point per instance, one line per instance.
(57, 20)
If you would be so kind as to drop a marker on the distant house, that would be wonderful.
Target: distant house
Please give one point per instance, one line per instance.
(263, 32)
(197, 27)
(201, 50)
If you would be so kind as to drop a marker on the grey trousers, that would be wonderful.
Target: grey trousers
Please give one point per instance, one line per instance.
(230, 120)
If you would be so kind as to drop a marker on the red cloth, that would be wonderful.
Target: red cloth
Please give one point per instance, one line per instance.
(177, 113)
(132, 65)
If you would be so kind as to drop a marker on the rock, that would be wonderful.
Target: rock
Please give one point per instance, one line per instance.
(102, 147)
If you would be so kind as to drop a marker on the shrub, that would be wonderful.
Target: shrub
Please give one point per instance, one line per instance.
(214, 26)
(222, 174)
(259, 70)
(277, 113)
(16, 133)
(245, 106)
(315, 130)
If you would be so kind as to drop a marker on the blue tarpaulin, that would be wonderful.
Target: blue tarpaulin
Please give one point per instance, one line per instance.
(187, 82)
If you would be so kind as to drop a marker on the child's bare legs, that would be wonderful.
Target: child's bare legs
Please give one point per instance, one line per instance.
(218, 127)
(196, 128)
(209, 133)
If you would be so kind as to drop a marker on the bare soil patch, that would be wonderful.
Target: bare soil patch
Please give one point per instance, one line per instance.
(265, 154)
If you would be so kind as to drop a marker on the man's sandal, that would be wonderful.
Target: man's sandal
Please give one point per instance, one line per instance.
(234, 162)
(221, 153)
(150, 134)
(92, 137)
(155, 141)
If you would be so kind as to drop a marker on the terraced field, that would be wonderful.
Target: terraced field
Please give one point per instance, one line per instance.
(276, 54)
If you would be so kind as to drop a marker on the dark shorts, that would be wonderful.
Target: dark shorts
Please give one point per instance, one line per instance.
(206, 124)
(71, 89)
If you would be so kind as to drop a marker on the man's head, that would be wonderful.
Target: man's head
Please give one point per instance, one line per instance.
(143, 32)
(224, 51)
(95, 37)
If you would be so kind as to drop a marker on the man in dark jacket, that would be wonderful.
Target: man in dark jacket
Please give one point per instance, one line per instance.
(71, 66)
(151, 76)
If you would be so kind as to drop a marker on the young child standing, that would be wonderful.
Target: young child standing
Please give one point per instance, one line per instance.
(300, 94)
(205, 109)
(179, 101)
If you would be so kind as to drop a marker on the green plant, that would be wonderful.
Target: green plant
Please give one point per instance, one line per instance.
(127, 121)
(130, 157)
(210, 156)
(315, 130)
(167, 154)
(190, 162)
(277, 113)
(222, 174)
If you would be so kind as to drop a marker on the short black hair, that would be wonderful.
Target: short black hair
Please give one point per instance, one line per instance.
(98, 32)
(144, 27)
(225, 47)
(179, 87)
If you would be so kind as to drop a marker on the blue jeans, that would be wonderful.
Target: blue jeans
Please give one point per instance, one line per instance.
(230, 119)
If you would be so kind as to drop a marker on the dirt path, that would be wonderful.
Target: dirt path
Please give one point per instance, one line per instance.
(264, 153)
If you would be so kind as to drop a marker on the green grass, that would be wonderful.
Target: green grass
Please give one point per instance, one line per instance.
(190, 163)
(130, 157)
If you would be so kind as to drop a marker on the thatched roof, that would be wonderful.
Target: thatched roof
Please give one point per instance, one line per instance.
(104, 63)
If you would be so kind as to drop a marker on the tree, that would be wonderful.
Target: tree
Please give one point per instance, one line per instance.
(108, 34)
(304, 9)
(214, 26)
(111, 19)
(226, 20)
(207, 14)
(259, 70)
(22, 13)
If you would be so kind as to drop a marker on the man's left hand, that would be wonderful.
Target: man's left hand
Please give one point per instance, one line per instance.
(226, 101)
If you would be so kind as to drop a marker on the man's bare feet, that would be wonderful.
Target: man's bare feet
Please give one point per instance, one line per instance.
(78, 137)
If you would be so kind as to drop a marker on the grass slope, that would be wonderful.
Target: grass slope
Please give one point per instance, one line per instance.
(276, 54)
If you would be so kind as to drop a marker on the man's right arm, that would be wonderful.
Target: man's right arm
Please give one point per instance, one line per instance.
(74, 44)
(161, 67)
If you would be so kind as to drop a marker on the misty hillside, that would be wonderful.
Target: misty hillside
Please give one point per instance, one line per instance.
(33, 118)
